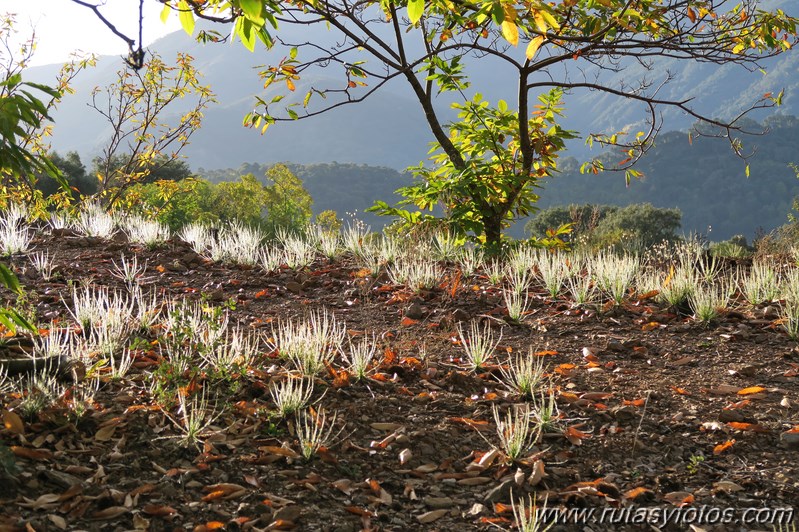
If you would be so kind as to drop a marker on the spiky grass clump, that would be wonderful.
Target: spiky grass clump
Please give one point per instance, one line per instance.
(44, 264)
(516, 304)
(523, 374)
(553, 271)
(129, 270)
(445, 246)
(516, 431)
(299, 250)
(361, 356)
(581, 287)
(762, 284)
(141, 230)
(478, 343)
(327, 242)
(235, 353)
(94, 221)
(199, 236)
(15, 234)
(494, 271)
(194, 417)
(530, 517)
(315, 431)
(470, 259)
(237, 243)
(615, 274)
(291, 395)
(311, 343)
(354, 237)
(789, 317)
(418, 274)
(707, 301)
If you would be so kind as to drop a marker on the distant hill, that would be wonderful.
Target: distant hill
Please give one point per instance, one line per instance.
(703, 179)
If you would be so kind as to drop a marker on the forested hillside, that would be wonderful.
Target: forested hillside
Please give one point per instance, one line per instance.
(703, 179)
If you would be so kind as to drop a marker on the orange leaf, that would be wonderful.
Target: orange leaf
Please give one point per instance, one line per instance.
(754, 427)
(474, 423)
(635, 402)
(214, 525)
(720, 448)
(575, 436)
(652, 325)
(502, 508)
(359, 511)
(680, 391)
(739, 404)
(636, 492)
(547, 353)
(407, 322)
(389, 356)
(262, 293)
(158, 510)
(160, 269)
(751, 390)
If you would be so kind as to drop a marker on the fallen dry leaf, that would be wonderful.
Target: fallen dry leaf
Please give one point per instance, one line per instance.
(433, 515)
(13, 422)
(720, 448)
(751, 390)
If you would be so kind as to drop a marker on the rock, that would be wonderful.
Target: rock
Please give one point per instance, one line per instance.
(460, 315)
(294, 287)
(477, 509)
(288, 513)
(790, 438)
(414, 312)
(438, 502)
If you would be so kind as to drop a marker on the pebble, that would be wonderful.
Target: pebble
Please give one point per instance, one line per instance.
(414, 312)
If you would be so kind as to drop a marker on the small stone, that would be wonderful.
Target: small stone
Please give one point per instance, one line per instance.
(460, 315)
(414, 312)
(288, 513)
(438, 502)
(477, 509)
(294, 287)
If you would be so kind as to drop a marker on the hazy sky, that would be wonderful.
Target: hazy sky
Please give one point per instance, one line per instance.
(63, 26)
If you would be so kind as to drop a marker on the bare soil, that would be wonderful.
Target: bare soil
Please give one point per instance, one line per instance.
(648, 398)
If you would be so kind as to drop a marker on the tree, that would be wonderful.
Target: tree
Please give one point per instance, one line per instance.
(487, 164)
(288, 204)
(143, 142)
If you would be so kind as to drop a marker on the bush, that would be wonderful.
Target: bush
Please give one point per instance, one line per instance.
(600, 226)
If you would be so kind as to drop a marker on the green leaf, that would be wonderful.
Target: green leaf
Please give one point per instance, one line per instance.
(186, 17)
(252, 8)
(9, 279)
(415, 10)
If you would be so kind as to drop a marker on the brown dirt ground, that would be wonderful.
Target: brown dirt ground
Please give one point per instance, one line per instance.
(645, 396)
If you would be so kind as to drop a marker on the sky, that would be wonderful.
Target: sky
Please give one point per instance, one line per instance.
(63, 27)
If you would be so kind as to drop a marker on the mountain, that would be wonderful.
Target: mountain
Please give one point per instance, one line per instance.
(388, 129)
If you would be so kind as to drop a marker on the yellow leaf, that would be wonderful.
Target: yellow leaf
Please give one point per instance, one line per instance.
(540, 22)
(290, 84)
(12, 422)
(550, 20)
(534, 45)
(511, 32)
